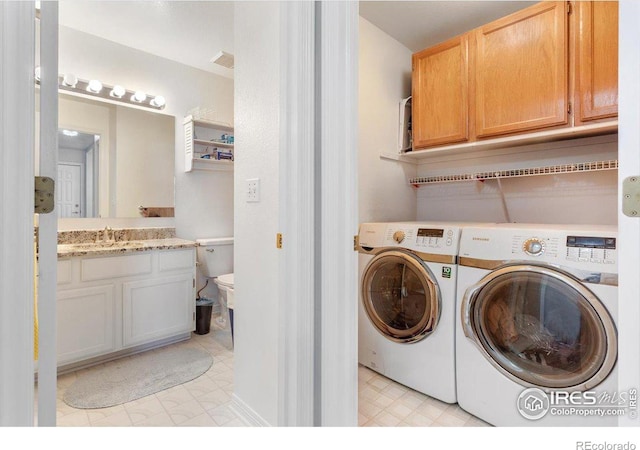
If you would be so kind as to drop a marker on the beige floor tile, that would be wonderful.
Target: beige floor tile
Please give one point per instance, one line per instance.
(185, 411)
(382, 400)
(102, 413)
(175, 396)
(201, 386)
(449, 420)
(222, 415)
(214, 399)
(140, 411)
(418, 420)
(202, 420)
(412, 399)
(75, 419)
(368, 408)
(399, 409)
(385, 419)
(161, 419)
(379, 382)
(120, 419)
(395, 391)
(455, 410)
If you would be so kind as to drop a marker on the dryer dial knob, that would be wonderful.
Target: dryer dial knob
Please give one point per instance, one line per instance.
(533, 247)
(398, 236)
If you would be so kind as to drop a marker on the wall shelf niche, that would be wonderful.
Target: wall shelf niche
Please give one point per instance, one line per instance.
(204, 138)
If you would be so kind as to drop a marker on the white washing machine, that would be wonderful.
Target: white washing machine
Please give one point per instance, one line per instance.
(536, 339)
(406, 319)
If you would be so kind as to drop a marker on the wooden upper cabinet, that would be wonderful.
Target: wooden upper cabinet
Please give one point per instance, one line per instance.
(440, 94)
(596, 60)
(521, 71)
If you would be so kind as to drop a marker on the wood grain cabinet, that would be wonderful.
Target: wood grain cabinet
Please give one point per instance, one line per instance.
(440, 103)
(521, 71)
(596, 59)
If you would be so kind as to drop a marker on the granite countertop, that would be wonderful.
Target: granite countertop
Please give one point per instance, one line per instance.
(83, 242)
(109, 248)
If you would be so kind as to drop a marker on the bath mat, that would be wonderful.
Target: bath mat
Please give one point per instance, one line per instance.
(134, 377)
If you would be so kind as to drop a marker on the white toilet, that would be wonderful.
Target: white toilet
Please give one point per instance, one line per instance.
(215, 257)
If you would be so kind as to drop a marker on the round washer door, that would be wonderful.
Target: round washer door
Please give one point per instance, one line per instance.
(541, 327)
(400, 296)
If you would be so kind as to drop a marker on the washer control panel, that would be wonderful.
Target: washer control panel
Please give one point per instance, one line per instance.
(420, 239)
(601, 250)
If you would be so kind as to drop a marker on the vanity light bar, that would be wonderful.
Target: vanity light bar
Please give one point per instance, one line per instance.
(94, 88)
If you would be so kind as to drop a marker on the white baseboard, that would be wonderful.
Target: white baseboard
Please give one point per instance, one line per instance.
(246, 413)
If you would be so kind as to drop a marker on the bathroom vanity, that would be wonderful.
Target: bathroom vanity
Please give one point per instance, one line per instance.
(117, 296)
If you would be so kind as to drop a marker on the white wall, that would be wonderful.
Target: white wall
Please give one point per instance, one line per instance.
(257, 104)
(576, 198)
(204, 200)
(384, 79)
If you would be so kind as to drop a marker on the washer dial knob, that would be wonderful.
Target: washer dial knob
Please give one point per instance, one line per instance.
(533, 247)
(398, 236)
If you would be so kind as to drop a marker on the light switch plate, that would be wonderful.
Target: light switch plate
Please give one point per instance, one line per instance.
(253, 190)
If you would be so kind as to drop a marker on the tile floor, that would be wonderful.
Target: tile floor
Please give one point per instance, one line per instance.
(205, 401)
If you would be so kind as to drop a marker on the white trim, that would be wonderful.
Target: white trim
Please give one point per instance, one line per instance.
(48, 223)
(246, 414)
(338, 156)
(296, 277)
(628, 228)
(17, 111)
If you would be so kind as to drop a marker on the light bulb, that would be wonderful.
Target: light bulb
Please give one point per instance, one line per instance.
(117, 91)
(71, 133)
(158, 101)
(94, 86)
(139, 97)
(70, 80)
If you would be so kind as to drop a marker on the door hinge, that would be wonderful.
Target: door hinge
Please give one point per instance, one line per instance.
(279, 240)
(194, 282)
(356, 242)
(44, 195)
(631, 196)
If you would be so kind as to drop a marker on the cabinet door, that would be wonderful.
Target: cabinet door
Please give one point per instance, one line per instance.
(156, 308)
(188, 145)
(86, 323)
(521, 79)
(440, 85)
(597, 60)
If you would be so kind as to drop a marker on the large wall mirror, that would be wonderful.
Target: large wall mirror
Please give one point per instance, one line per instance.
(114, 161)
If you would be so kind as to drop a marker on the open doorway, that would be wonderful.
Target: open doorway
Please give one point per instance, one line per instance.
(78, 160)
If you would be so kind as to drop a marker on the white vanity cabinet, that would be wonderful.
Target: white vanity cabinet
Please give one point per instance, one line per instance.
(108, 304)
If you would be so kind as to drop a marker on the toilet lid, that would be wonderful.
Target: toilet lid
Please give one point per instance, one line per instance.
(226, 280)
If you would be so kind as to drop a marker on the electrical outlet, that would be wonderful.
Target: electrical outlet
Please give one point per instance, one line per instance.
(253, 190)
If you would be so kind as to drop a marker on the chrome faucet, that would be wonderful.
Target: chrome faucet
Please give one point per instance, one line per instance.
(106, 235)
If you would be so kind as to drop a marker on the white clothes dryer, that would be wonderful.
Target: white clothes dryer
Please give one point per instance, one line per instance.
(406, 319)
(536, 339)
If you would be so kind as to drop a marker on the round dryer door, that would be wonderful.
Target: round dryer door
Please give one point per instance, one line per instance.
(541, 327)
(400, 296)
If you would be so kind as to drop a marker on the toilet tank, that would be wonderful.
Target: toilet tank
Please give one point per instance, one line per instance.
(215, 256)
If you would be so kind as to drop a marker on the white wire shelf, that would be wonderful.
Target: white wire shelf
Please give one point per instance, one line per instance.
(512, 173)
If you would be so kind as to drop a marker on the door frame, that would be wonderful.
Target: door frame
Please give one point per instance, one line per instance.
(17, 141)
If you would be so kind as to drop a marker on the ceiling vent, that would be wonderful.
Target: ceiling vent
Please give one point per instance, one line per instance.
(224, 59)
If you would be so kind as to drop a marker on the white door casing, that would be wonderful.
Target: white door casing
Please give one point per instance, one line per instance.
(17, 110)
